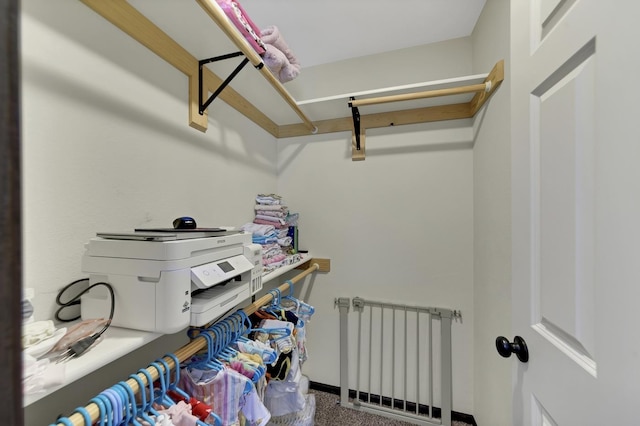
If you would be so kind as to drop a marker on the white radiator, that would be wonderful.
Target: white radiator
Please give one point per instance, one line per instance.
(395, 360)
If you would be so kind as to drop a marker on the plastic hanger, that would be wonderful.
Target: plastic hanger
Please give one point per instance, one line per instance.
(276, 330)
(302, 308)
(102, 410)
(143, 397)
(163, 375)
(240, 317)
(235, 329)
(110, 409)
(152, 398)
(174, 386)
(233, 322)
(227, 353)
(198, 360)
(216, 348)
(210, 362)
(217, 343)
(85, 415)
(267, 354)
(116, 400)
(241, 328)
(65, 420)
(245, 324)
(120, 415)
(129, 402)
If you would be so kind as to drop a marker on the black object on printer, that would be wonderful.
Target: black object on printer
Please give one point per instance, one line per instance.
(184, 222)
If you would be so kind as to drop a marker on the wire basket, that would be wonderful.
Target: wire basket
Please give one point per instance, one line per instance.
(303, 417)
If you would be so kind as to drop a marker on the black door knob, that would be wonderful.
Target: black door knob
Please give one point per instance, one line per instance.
(518, 347)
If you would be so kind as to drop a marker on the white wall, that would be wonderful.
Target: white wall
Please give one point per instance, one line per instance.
(107, 147)
(492, 224)
(397, 226)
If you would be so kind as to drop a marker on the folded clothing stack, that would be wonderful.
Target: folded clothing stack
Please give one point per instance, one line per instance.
(275, 229)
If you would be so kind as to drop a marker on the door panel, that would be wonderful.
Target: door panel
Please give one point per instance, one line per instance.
(575, 210)
(562, 187)
(540, 416)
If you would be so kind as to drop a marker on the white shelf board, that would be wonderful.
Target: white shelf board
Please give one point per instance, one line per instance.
(284, 269)
(119, 341)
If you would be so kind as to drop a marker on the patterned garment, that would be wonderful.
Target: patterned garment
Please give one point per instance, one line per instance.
(228, 392)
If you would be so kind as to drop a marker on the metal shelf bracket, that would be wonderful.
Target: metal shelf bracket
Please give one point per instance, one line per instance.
(202, 107)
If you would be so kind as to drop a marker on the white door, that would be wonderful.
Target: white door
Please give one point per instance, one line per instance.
(576, 211)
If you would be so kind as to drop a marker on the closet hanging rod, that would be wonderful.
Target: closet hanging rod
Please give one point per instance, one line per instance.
(482, 87)
(412, 87)
(191, 348)
(220, 18)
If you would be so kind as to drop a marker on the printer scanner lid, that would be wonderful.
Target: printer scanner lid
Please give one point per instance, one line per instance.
(149, 246)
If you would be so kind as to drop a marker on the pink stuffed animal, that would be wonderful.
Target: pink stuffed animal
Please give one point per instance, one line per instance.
(278, 57)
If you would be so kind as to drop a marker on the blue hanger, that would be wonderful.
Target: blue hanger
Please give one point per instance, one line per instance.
(191, 332)
(143, 398)
(244, 328)
(276, 330)
(243, 318)
(227, 328)
(111, 415)
(131, 410)
(85, 414)
(226, 352)
(102, 409)
(164, 376)
(210, 362)
(174, 386)
(116, 400)
(198, 359)
(216, 344)
(245, 325)
(160, 396)
(238, 324)
(300, 305)
(65, 420)
(149, 408)
(277, 298)
(219, 351)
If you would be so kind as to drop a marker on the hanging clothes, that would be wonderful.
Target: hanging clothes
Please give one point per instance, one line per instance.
(228, 392)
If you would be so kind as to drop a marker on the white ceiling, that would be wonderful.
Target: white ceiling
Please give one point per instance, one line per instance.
(325, 31)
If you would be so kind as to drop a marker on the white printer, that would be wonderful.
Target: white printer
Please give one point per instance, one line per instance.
(164, 282)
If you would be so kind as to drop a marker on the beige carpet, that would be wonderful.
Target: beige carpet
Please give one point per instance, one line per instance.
(330, 413)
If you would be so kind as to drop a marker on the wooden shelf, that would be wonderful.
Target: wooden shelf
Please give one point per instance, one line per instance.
(324, 115)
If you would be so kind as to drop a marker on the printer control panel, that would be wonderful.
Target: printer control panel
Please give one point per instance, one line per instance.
(210, 274)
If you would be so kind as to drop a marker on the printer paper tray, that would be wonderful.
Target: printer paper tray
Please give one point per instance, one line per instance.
(214, 302)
